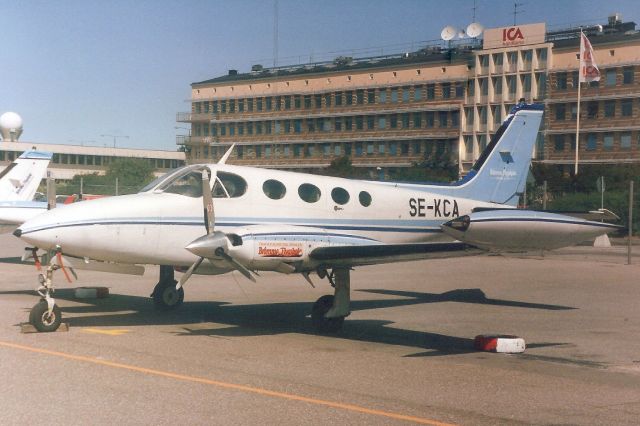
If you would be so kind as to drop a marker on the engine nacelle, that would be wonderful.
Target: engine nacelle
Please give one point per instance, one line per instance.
(522, 230)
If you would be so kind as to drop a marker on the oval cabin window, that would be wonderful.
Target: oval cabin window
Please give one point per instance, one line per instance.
(309, 193)
(365, 198)
(274, 189)
(340, 195)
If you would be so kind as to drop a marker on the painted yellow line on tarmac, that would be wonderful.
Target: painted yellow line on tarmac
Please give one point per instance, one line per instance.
(225, 385)
(110, 332)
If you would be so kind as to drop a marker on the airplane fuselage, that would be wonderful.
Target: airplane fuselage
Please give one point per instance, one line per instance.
(154, 227)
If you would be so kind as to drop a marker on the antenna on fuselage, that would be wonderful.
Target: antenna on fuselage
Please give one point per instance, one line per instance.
(226, 155)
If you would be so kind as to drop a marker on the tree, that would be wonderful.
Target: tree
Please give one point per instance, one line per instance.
(131, 172)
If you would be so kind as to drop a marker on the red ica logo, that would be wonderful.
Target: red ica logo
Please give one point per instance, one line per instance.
(512, 34)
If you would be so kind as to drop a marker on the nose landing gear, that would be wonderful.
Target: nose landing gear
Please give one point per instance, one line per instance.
(45, 315)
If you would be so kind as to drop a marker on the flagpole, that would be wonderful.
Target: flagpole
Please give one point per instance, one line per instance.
(578, 112)
(578, 127)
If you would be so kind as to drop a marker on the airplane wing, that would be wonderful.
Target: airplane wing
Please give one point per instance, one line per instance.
(359, 255)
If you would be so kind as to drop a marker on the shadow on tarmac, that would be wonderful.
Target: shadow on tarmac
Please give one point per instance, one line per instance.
(278, 318)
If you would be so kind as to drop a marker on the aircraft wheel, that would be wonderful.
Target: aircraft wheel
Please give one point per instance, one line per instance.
(166, 297)
(320, 322)
(42, 320)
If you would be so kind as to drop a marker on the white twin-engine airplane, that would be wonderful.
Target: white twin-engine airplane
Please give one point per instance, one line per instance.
(268, 220)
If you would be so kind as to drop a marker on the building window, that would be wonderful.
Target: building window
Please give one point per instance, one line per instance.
(610, 77)
(278, 102)
(336, 149)
(417, 120)
(417, 148)
(326, 149)
(405, 94)
(381, 148)
(348, 123)
(307, 101)
(393, 121)
(460, 89)
(625, 140)
(286, 151)
(417, 93)
(592, 109)
(431, 91)
(360, 97)
(558, 143)
(348, 98)
(626, 105)
(404, 149)
(446, 90)
(383, 96)
(297, 126)
(359, 122)
(455, 118)
(370, 122)
(327, 100)
(259, 128)
(259, 104)
(607, 141)
(267, 127)
(371, 96)
(561, 80)
(560, 111)
(258, 150)
(627, 75)
(269, 103)
(369, 148)
(287, 126)
(240, 105)
(338, 98)
(338, 124)
(232, 129)
(287, 102)
(442, 118)
(296, 102)
(394, 95)
(241, 128)
(609, 108)
(393, 148)
(382, 123)
(405, 120)
(358, 149)
(430, 118)
(318, 101)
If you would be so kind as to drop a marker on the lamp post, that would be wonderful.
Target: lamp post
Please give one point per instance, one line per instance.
(115, 137)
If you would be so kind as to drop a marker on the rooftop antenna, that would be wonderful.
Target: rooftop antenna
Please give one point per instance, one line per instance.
(516, 5)
(275, 33)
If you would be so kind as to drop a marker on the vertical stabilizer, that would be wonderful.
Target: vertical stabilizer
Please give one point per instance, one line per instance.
(20, 180)
(500, 174)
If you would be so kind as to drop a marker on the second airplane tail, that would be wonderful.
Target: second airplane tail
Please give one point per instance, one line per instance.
(20, 180)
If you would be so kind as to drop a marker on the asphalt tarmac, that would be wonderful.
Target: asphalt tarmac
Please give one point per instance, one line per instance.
(243, 353)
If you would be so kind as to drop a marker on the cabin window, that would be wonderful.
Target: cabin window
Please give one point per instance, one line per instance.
(365, 198)
(229, 185)
(309, 193)
(188, 184)
(340, 195)
(274, 189)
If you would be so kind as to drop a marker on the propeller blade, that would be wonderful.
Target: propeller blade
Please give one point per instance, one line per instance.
(207, 201)
(237, 265)
(189, 272)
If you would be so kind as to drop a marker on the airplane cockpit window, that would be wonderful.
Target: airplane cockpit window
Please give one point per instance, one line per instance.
(274, 189)
(340, 195)
(151, 185)
(365, 198)
(229, 185)
(188, 184)
(309, 193)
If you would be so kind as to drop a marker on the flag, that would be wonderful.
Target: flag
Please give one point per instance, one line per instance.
(588, 69)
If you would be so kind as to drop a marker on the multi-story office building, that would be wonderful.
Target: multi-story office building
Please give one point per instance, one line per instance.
(434, 105)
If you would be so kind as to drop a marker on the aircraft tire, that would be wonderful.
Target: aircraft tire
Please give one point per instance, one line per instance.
(41, 320)
(166, 297)
(319, 321)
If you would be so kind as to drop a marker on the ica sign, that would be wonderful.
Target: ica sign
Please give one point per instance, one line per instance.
(514, 36)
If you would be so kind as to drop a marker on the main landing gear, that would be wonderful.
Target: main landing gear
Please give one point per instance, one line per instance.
(165, 296)
(328, 312)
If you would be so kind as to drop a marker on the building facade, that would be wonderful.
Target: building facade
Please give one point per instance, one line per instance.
(70, 160)
(437, 105)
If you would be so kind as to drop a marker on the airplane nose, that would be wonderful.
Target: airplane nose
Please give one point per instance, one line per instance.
(17, 232)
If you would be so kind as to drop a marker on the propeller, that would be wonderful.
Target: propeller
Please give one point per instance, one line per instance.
(214, 243)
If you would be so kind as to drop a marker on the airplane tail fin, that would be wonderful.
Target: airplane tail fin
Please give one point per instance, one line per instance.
(500, 174)
(20, 180)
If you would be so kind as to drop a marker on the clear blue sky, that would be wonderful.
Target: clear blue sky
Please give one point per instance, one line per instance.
(75, 70)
